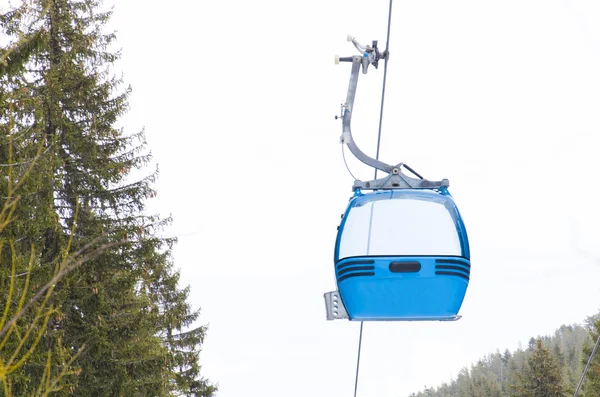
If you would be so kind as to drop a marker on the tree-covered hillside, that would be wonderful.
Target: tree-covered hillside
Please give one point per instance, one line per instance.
(549, 366)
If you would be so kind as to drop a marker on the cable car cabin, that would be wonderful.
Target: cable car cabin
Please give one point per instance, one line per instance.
(402, 255)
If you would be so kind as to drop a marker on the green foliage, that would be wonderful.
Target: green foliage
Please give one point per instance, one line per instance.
(541, 376)
(591, 385)
(28, 310)
(124, 304)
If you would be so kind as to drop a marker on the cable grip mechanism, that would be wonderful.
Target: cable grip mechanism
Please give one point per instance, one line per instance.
(370, 54)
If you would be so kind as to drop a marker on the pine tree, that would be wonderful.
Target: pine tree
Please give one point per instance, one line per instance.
(506, 356)
(591, 385)
(125, 305)
(541, 376)
(531, 344)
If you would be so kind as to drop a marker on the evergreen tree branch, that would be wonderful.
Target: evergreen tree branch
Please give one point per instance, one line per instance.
(69, 265)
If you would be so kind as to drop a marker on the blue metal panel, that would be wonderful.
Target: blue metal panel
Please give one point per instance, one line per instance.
(370, 291)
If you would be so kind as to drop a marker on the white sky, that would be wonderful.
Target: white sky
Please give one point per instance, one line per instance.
(238, 100)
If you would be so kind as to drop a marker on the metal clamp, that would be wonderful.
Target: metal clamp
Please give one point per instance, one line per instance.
(334, 306)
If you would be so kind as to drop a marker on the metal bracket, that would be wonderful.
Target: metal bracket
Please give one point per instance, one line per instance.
(334, 306)
(396, 180)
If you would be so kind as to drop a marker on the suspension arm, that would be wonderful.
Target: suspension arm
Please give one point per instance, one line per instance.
(357, 62)
(396, 179)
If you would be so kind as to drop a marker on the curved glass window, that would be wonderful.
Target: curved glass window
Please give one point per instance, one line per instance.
(400, 225)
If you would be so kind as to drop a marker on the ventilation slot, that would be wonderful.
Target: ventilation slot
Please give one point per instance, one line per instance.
(405, 267)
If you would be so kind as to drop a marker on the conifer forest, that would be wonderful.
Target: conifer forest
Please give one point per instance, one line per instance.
(549, 366)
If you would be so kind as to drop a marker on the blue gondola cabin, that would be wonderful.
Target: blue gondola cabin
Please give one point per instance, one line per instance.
(402, 255)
